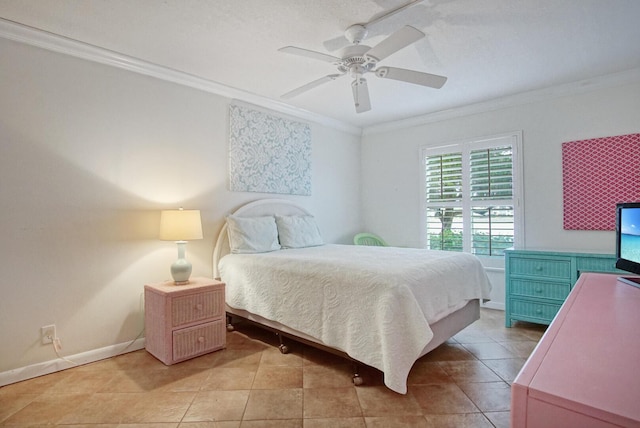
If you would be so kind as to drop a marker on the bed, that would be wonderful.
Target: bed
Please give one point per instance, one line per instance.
(384, 307)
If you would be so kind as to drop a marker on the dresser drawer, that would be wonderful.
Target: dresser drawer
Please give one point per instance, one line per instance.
(594, 264)
(540, 267)
(538, 289)
(197, 307)
(191, 341)
(534, 311)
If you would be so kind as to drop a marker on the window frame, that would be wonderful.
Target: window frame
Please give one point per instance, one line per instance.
(514, 139)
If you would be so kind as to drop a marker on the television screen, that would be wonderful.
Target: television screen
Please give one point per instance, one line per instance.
(628, 238)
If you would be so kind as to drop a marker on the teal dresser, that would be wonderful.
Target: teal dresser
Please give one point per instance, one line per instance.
(537, 282)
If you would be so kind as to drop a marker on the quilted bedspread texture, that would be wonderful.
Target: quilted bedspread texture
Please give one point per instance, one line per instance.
(374, 303)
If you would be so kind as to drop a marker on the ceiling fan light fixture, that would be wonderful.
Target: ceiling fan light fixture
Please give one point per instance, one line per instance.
(355, 34)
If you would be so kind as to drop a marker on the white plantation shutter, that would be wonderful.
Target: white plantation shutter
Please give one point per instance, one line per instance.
(491, 173)
(444, 177)
(471, 190)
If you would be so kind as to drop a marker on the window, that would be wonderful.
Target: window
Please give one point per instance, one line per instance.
(472, 194)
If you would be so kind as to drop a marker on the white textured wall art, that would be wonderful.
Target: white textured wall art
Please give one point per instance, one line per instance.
(268, 153)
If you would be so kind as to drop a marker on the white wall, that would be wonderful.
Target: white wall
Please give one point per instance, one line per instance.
(90, 155)
(391, 168)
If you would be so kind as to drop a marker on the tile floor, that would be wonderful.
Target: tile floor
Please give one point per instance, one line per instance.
(463, 383)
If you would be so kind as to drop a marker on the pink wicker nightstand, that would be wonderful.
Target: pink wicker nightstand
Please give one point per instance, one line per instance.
(184, 321)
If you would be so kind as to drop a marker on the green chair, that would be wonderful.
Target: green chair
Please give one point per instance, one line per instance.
(369, 239)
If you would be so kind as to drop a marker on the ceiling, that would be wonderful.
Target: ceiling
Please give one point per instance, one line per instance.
(488, 49)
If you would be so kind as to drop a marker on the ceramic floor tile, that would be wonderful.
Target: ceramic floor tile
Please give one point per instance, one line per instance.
(271, 404)
(132, 380)
(331, 403)
(278, 423)
(493, 350)
(381, 401)
(217, 406)
(499, 419)
(472, 336)
(251, 384)
(278, 377)
(489, 396)
(424, 372)
(507, 368)
(102, 408)
(443, 398)
(159, 407)
(11, 403)
(47, 408)
(229, 378)
(397, 422)
(86, 382)
(335, 423)
(217, 424)
(243, 358)
(36, 385)
(522, 348)
(469, 371)
(468, 420)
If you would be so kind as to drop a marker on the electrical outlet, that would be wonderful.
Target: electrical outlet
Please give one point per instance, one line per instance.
(48, 334)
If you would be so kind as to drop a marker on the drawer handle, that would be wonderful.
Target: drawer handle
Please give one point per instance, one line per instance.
(539, 268)
(199, 307)
(201, 339)
(538, 311)
(539, 290)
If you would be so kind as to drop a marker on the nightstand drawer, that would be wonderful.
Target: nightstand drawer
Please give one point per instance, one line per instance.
(534, 311)
(530, 266)
(203, 338)
(196, 307)
(538, 289)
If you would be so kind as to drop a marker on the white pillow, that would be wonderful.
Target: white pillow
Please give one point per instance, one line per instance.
(252, 234)
(298, 231)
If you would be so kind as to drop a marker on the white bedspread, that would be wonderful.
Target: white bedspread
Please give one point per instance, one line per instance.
(374, 303)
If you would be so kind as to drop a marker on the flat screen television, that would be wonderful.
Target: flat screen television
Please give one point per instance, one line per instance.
(628, 240)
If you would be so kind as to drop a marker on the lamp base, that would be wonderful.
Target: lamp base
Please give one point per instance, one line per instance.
(181, 268)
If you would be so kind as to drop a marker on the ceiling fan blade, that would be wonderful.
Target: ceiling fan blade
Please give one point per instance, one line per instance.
(310, 85)
(411, 76)
(309, 54)
(392, 44)
(361, 95)
(392, 12)
(335, 43)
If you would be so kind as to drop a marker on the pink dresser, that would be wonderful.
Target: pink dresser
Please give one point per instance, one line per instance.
(585, 372)
(184, 321)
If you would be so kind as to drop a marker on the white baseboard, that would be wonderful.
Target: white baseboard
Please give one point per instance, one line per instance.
(59, 364)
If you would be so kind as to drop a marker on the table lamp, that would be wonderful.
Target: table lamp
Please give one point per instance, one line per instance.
(180, 226)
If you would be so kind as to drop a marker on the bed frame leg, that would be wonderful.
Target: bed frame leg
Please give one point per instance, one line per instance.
(284, 349)
(230, 326)
(357, 380)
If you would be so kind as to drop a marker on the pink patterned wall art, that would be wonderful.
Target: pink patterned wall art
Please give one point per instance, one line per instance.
(597, 174)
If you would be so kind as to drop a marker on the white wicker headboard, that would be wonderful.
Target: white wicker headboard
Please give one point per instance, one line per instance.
(257, 208)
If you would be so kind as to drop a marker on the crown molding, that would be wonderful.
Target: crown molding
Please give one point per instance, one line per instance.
(42, 39)
(56, 43)
(579, 87)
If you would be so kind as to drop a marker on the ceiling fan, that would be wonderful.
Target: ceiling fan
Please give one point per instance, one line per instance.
(357, 59)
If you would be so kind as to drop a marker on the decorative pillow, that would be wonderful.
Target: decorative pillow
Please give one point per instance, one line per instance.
(298, 231)
(252, 234)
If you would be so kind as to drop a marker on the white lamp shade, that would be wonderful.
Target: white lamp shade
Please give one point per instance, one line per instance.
(180, 225)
